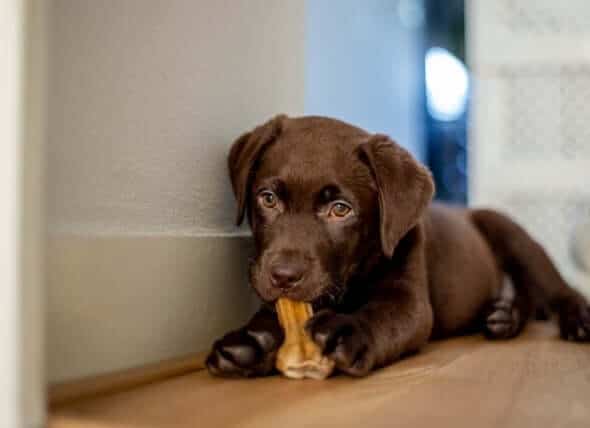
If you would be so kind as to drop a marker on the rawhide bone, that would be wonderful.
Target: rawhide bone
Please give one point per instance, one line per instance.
(299, 357)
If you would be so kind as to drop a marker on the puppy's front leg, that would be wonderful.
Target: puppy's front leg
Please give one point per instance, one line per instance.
(249, 351)
(397, 319)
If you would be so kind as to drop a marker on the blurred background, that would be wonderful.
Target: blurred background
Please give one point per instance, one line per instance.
(396, 67)
(487, 94)
(126, 110)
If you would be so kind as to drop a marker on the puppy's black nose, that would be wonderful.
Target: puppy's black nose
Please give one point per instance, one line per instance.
(286, 275)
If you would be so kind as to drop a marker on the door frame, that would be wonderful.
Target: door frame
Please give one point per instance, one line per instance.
(22, 71)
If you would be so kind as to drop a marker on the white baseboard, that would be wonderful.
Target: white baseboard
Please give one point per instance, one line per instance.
(121, 302)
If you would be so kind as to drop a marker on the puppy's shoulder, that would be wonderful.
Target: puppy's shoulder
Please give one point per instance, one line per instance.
(442, 213)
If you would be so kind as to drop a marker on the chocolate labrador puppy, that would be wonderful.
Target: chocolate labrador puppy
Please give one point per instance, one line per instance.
(343, 219)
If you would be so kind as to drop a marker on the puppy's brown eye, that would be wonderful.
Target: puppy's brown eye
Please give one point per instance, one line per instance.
(340, 210)
(268, 199)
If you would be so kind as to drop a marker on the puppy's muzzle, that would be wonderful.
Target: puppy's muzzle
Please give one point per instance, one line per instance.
(287, 269)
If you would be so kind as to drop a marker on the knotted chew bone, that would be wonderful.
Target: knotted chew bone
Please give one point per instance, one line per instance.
(299, 357)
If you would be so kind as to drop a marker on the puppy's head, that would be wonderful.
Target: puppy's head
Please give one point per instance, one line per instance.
(322, 198)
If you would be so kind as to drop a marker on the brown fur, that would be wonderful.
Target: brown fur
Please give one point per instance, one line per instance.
(390, 273)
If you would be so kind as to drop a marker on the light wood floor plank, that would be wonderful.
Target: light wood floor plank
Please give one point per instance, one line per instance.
(533, 381)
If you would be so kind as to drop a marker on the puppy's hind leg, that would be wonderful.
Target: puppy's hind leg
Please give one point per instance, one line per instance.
(534, 274)
(505, 316)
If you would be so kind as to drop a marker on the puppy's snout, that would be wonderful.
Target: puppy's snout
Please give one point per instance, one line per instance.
(286, 275)
(287, 270)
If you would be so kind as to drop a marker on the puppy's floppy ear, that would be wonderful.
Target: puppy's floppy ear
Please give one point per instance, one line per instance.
(244, 153)
(405, 188)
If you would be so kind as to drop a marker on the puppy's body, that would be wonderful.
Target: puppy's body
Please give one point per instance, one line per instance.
(463, 275)
(343, 219)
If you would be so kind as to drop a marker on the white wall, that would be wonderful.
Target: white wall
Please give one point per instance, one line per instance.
(11, 46)
(529, 149)
(145, 98)
(22, 402)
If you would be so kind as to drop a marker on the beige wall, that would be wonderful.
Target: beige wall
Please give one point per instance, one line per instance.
(145, 98)
(120, 302)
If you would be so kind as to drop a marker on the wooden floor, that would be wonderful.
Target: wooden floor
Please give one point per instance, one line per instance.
(533, 381)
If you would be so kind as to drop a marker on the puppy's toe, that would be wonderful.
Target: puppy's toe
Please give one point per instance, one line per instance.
(352, 357)
(230, 362)
(503, 320)
(242, 354)
(265, 339)
(342, 339)
(574, 320)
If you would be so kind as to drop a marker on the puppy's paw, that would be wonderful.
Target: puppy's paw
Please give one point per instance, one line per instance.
(503, 320)
(574, 320)
(344, 339)
(243, 353)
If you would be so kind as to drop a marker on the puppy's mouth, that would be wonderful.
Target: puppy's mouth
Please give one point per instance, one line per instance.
(332, 296)
(318, 288)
